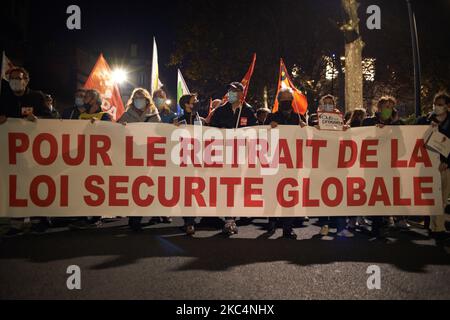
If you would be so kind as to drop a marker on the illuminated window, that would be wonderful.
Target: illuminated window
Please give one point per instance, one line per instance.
(331, 72)
(368, 66)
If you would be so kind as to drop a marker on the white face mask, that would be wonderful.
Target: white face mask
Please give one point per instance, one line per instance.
(159, 102)
(233, 97)
(79, 102)
(439, 110)
(328, 107)
(17, 85)
(140, 103)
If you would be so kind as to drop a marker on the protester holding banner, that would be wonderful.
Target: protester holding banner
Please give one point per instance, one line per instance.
(261, 115)
(93, 107)
(357, 117)
(140, 108)
(440, 118)
(355, 120)
(327, 104)
(190, 116)
(284, 116)
(93, 112)
(167, 116)
(50, 104)
(78, 107)
(385, 114)
(160, 100)
(236, 113)
(21, 101)
(188, 103)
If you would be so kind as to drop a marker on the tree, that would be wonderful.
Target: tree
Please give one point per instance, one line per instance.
(353, 56)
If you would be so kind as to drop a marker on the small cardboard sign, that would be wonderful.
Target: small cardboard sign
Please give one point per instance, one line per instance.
(440, 143)
(331, 121)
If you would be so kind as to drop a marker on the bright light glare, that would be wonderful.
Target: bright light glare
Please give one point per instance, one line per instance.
(119, 76)
(168, 102)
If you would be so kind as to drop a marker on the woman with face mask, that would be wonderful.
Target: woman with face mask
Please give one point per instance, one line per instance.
(386, 115)
(140, 108)
(91, 111)
(328, 104)
(78, 107)
(357, 117)
(160, 99)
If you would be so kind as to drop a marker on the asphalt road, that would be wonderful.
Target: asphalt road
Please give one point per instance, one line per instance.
(162, 263)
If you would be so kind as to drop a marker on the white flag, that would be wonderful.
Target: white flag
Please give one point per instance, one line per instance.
(182, 89)
(156, 83)
(6, 66)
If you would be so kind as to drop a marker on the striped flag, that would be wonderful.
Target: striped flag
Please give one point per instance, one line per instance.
(182, 89)
(300, 103)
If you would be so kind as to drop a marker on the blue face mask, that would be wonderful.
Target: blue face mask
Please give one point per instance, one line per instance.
(140, 104)
(79, 102)
(159, 102)
(233, 97)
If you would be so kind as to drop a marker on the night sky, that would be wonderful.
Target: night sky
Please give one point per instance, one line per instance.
(111, 26)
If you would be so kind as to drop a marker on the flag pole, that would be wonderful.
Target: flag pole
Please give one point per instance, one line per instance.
(1, 81)
(416, 57)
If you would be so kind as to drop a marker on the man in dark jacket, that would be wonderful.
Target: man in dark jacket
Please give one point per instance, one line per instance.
(21, 101)
(440, 118)
(234, 114)
(284, 116)
(73, 113)
(190, 117)
(386, 114)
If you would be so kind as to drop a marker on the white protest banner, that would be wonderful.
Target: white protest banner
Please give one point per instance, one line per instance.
(76, 168)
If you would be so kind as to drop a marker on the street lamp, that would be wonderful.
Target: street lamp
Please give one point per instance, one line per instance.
(119, 76)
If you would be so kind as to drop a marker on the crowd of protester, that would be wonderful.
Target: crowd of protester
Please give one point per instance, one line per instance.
(19, 101)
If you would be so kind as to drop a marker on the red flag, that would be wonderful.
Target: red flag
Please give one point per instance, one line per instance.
(300, 103)
(246, 81)
(101, 79)
(210, 106)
